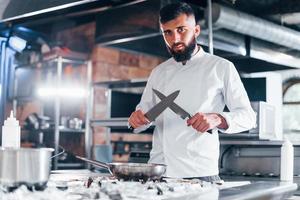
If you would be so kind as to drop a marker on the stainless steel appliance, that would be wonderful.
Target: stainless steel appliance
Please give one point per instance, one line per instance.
(261, 160)
(25, 166)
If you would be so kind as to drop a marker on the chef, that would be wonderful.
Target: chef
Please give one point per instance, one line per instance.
(207, 83)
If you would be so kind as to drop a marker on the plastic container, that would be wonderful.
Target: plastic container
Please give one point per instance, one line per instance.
(287, 161)
(11, 132)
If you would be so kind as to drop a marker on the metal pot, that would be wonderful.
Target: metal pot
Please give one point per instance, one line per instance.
(131, 171)
(25, 166)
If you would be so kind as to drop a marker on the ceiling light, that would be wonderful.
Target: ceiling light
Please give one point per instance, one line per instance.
(17, 43)
(62, 92)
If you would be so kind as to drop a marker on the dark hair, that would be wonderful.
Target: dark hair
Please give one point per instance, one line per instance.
(172, 11)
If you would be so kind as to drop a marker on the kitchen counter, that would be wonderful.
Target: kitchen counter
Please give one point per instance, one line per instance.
(72, 184)
(259, 190)
(253, 142)
(262, 190)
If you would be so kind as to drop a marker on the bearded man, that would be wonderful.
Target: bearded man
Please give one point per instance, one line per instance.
(207, 83)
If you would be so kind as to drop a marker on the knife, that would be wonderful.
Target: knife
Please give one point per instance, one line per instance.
(156, 110)
(175, 107)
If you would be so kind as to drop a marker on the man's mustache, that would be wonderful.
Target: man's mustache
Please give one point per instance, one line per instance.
(177, 44)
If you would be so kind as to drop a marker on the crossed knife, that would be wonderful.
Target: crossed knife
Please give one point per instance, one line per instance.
(166, 102)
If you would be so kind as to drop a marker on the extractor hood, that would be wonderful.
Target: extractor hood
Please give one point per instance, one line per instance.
(136, 28)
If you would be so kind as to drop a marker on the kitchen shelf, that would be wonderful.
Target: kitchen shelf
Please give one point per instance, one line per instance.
(55, 64)
(242, 136)
(112, 122)
(122, 83)
(118, 123)
(71, 130)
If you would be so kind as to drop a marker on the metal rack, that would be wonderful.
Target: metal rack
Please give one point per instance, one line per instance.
(59, 60)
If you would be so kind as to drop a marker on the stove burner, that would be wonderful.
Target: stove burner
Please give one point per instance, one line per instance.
(272, 175)
(245, 174)
(257, 174)
(30, 187)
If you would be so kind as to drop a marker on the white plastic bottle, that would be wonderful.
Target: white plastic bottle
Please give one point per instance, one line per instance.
(287, 161)
(11, 132)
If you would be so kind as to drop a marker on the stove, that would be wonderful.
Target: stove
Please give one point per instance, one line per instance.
(108, 188)
(84, 184)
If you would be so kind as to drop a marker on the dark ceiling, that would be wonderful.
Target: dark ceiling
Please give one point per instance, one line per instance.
(265, 7)
(261, 8)
(45, 23)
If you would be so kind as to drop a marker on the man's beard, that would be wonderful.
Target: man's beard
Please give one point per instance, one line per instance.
(184, 55)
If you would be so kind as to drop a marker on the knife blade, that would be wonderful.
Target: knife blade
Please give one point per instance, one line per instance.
(161, 106)
(175, 107)
(156, 110)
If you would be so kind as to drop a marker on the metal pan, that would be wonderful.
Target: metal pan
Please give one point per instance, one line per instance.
(131, 171)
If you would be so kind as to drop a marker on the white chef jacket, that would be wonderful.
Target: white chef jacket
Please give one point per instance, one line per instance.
(206, 83)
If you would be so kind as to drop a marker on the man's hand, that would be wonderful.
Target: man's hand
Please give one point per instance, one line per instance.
(137, 119)
(203, 122)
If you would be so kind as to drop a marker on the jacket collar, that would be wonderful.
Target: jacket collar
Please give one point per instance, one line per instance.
(198, 54)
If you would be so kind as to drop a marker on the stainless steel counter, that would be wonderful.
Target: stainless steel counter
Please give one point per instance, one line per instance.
(72, 185)
(259, 190)
(262, 190)
(253, 142)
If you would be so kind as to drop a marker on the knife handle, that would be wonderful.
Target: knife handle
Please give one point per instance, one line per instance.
(142, 128)
(209, 131)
